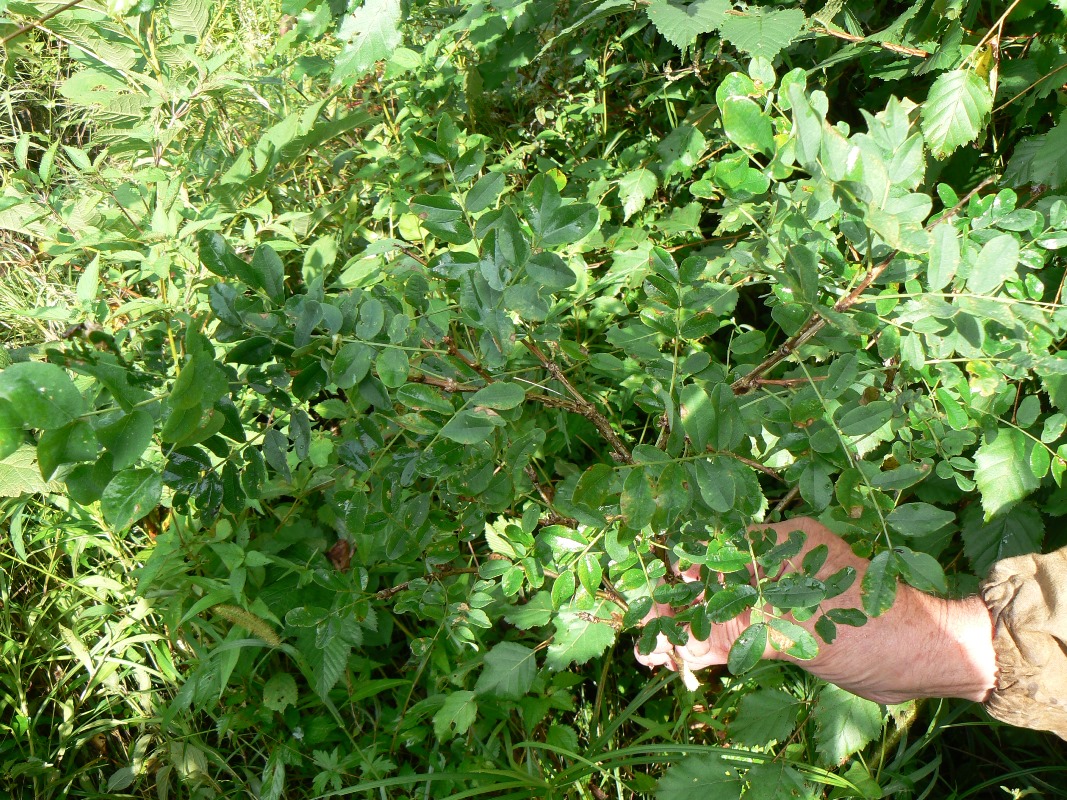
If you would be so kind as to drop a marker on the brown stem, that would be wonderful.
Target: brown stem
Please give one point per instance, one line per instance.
(455, 351)
(582, 406)
(896, 48)
(39, 21)
(966, 199)
(448, 384)
(437, 574)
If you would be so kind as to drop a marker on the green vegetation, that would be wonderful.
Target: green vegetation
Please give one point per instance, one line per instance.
(371, 364)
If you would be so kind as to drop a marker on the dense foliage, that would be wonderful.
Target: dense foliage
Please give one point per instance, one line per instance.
(373, 364)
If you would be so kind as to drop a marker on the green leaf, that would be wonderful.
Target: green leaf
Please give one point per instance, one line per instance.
(509, 671)
(549, 270)
(747, 649)
(765, 716)
(775, 780)
(469, 427)
(747, 126)
(42, 395)
(578, 638)
(729, 601)
(268, 273)
(500, 395)
(19, 474)
(708, 776)
(352, 362)
(635, 189)
(917, 519)
(865, 420)
(637, 502)
(1016, 532)
(996, 263)
(844, 724)
(392, 367)
(680, 23)
(759, 32)
(921, 570)
(424, 398)
(327, 659)
(127, 437)
(956, 110)
(1002, 470)
(371, 33)
(879, 586)
(129, 496)
(11, 434)
(790, 638)
(944, 257)
(67, 445)
(484, 192)
(279, 692)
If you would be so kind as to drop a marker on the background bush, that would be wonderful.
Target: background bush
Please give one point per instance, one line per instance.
(371, 364)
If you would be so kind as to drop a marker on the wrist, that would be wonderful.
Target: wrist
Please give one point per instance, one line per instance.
(960, 661)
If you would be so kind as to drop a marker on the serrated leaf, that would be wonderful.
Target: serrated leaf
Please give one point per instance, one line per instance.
(635, 189)
(775, 780)
(844, 724)
(681, 23)
(327, 661)
(577, 640)
(371, 33)
(1015, 532)
(956, 110)
(19, 474)
(510, 669)
(708, 776)
(759, 32)
(764, 716)
(455, 716)
(1002, 470)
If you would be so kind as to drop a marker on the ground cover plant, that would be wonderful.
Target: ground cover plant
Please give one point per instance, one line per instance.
(366, 367)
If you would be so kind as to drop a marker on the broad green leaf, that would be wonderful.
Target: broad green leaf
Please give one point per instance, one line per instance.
(67, 445)
(637, 502)
(279, 692)
(127, 437)
(921, 570)
(764, 716)
(635, 189)
(327, 660)
(680, 23)
(917, 519)
(499, 395)
(747, 649)
(129, 496)
(268, 272)
(371, 33)
(42, 395)
(879, 585)
(469, 427)
(788, 637)
(19, 474)
(944, 257)
(577, 640)
(844, 724)
(956, 110)
(775, 780)
(760, 32)
(392, 366)
(708, 776)
(747, 126)
(996, 263)
(352, 362)
(11, 432)
(549, 270)
(424, 398)
(484, 192)
(509, 671)
(865, 420)
(1002, 470)
(1015, 532)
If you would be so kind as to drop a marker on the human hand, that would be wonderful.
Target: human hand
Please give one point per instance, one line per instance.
(922, 646)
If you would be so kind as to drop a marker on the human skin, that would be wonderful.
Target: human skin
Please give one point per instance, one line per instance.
(923, 646)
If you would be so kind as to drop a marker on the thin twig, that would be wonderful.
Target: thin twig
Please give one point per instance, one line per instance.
(448, 384)
(438, 574)
(39, 21)
(581, 406)
(896, 48)
(966, 199)
(788, 498)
